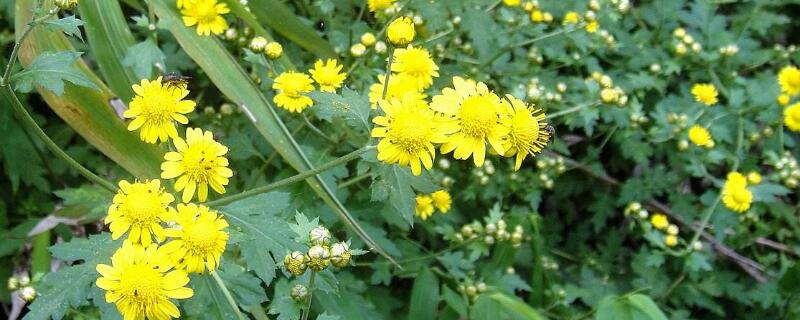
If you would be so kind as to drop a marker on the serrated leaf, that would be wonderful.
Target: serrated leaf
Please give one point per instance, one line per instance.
(143, 56)
(398, 184)
(302, 227)
(246, 288)
(350, 106)
(50, 70)
(94, 199)
(266, 237)
(68, 25)
(283, 305)
(631, 307)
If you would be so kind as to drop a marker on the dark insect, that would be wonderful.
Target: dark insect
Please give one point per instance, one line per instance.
(175, 80)
(320, 25)
(551, 131)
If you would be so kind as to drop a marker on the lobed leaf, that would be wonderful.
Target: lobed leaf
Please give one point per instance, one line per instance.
(50, 70)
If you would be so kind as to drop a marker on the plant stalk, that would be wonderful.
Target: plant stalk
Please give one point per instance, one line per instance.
(227, 294)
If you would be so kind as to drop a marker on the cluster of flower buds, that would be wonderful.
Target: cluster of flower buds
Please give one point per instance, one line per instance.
(729, 50)
(537, 14)
(320, 255)
(535, 56)
(550, 167)
(785, 51)
(472, 289)
(271, 49)
(658, 221)
(685, 41)
(609, 93)
(623, 6)
(483, 173)
(491, 233)
(23, 286)
(638, 118)
(786, 169)
(66, 4)
(609, 38)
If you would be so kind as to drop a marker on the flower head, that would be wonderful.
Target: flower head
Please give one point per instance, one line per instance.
(527, 134)
(139, 207)
(291, 86)
(327, 75)
(156, 107)
(512, 3)
(139, 282)
(273, 50)
(425, 206)
(416, 63)
(206, 14)
(400, 85)
(474, 115)
(401, 31)
(671, 240)
(198, 163)
(754, 177)
(735, 194)
(407, 131)
(442, 200)
(199, 238)
(379, 5)
(789, 79)
(705, 93)
(659, 221)
(700, 136)
(791, 117)
(571, 17)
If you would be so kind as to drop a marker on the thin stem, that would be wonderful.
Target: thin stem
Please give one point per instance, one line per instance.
(317, 130)
(354, 180)
(227, 294)
(310, 295)
(290, 180)
(34, 128)
(18, 44)
(388, 72)
(571, 110)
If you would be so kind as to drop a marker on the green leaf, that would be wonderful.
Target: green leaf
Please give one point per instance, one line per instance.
(515, 306)
(266, 237)
(303, 227)
(326, 316)
(94, 199)
(208, 301)
(246, 288)
(142, 57)
(283, 305)
(397, 184)
(50, 70)
(350, 106)
(646, 305)
(630, 307)
(68, 25)
(767, 191)
(424, 296)
(277, 16)
(19, 154)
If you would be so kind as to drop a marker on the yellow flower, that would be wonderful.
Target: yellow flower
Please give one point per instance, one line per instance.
(592, 26)
(416, 63)
(735, 195)
(442, 200)
(401, 31)
(273, 50)
(379, 5)
(789, 79)
(700, 136)
(791, 117)
(291, 86)
(139, 207)
(199, 162)
(206, 14)
(512, 3)
(754, 177)
(705, 93)
(139, 282)
(537, 16)
(156, 107)
(407, 133)
(527, 135)
(671, 240)
(571, 17)
(400, 85)
(199, 238)
(473, 116)
(659, 221)
(424, 207)
(783, 99)
(327, 75)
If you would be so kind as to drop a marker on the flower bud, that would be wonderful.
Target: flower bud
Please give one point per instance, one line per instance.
(24, 280)
(672, 229)
(258, 44)
(697, 246)
(471, 290)
(380, 47)
(319, 236)
(231, 34)
(66, 4)
(481, 286)
(368, 39)
(466, 231)
(299, 293)
(295, 263)
(340, 254)
(13, 283)
(27, 294)
(358, 50)
(401, 31)
(273, 50)
(319, 257)
(491, 228)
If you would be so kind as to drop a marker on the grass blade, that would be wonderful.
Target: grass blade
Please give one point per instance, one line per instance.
(238, 9)
(229, 77)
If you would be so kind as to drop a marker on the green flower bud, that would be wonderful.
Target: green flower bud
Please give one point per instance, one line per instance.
(319, 236)
(295, 263)
(299, 293)
(340, 254)
(66, 4)
(319, 257)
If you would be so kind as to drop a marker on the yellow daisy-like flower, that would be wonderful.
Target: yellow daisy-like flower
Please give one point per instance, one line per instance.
(789, 79)
(671, 240)
(442, 200)
(327, 75)
(700, 136)
(417, 63)
(401, 31)
(659, 221)
(527, 134)
(156, 107)
(379, 5)
(199, 238)
(705, 93)
(400, 85)
(474, 116)
(592, 26)
(791, 117)
(407, 133)
(424, 207)
(571, 17)
(735, 195)
(512, 3)
(139, 207)
(206, 14)
(139, 282)
(198, 163)
(291, 86)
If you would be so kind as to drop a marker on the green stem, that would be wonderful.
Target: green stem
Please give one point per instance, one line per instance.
(227, 294)
(310, 295)
(18, 44)
(31, 125)
(354, 180)
(388, 72)
(571, 110)
(290, 180)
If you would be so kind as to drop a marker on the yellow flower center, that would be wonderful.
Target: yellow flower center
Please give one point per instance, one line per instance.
(158, 105)
(524, 129)
(741, 195)
(199, 162)
(477, 116)
(141, 284)
(205, 12)
(409, 130)
(142, 207)
(200, 238)
(416, 62)
(795, 114)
